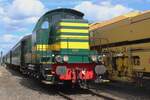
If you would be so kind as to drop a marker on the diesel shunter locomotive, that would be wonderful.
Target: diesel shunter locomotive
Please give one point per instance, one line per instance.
(58, 50)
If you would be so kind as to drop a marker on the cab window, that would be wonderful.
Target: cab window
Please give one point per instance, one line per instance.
(45, 25)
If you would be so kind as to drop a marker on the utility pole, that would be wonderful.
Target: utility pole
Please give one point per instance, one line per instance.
(1, 58)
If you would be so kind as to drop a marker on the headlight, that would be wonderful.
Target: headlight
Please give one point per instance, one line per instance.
(61, 70)
(94, 58)
(65, 58)
(100, 58)
(58, 58)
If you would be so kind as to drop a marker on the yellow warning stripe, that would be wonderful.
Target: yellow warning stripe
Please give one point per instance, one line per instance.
(73, 24)
(74, 37)
(47, 62)
(46, 47)
(74, 45)
(73, 30)
(62, 45)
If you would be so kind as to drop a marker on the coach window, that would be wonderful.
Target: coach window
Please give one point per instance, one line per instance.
(136, 60)
(45, 25)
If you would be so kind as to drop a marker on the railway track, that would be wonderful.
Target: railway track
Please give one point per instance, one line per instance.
(92, 95)
(105, 96)
(84, 94)
(65, 96)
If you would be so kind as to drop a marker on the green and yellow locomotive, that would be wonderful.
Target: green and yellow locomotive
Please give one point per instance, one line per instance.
(58, 50)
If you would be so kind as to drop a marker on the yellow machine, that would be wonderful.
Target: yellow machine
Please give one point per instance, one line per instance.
(124, 43)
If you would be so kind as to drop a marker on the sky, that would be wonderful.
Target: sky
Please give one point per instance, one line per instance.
(18, 17)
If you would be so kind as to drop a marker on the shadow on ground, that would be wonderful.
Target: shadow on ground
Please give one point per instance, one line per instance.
(126, 88)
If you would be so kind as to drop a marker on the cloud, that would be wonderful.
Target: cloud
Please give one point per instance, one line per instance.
(21, 13)
(8, 38)
(101, 11)
(20, 9)
(18, 16)
(19, 24)
(2, 13)
(8, 41)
